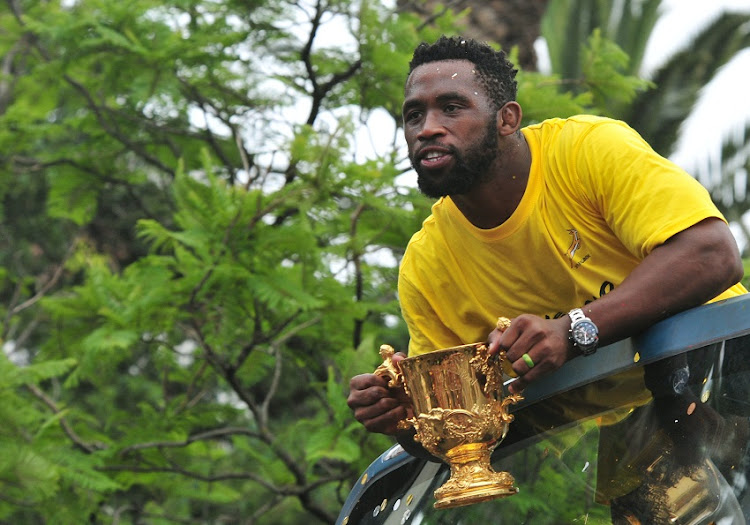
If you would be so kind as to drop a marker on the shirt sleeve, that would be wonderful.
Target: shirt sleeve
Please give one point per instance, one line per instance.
(644, 198)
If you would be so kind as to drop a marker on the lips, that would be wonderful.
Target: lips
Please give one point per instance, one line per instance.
(433, 157)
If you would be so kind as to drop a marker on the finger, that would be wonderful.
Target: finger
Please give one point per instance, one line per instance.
(493, 343)
(365, 381)
(383, 423)
(508, 338)
(495, 350)
(544, 356)
(367, 390)
(367, 397)
(535, 363)
(493, 340)
(523, 342)
(377, 409)
(521, 367)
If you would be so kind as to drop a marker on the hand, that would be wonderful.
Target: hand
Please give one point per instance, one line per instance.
(376, 406)
(545, 340)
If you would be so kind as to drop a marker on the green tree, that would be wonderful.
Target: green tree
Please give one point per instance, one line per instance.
(189, 270)
(193, 259)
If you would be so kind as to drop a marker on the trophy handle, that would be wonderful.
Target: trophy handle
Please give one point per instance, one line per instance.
(391, 370)
(491, 367)
(506, 416)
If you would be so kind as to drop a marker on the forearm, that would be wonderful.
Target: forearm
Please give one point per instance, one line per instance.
(689, 269)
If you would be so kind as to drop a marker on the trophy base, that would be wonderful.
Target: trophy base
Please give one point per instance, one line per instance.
(475, 494)
(472, 479)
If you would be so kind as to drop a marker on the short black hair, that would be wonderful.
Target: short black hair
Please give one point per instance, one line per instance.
(496, 73)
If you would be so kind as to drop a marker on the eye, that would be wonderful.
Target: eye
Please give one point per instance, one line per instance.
(412, 116)
(451, 108)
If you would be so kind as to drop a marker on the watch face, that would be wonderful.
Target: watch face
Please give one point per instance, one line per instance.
(585, 333)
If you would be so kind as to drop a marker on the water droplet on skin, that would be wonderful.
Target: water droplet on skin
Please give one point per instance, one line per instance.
(454, 75)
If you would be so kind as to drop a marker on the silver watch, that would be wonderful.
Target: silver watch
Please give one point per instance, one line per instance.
(583, 332)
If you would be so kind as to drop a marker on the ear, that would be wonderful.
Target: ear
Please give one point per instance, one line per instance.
(509, 118)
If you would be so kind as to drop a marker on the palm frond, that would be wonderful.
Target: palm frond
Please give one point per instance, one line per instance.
(658, 113)
(568, 24)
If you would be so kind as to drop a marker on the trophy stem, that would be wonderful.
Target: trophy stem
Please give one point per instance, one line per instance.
(472, 478)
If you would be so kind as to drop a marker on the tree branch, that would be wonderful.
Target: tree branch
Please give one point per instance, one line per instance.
(113, 131)
(52, 281)
(80, 443)
(359, 279)
(218, 433)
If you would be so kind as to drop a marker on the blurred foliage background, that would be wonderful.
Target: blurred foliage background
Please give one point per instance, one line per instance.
(196, 256)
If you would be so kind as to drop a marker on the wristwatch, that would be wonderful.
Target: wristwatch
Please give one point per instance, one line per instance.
(583, 332)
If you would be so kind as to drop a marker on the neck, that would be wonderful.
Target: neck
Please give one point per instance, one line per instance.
(493, 202)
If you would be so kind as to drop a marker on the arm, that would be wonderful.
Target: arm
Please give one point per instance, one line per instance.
(687, 270)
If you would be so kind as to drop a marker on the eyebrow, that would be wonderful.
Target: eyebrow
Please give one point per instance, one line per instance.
(443, 98)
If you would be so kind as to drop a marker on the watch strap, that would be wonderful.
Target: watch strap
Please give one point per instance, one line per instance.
(576, 314)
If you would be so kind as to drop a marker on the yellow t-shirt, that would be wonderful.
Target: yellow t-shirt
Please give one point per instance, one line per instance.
(598, 200)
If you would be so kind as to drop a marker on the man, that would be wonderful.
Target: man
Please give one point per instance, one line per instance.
(533, 223)
(568, 221)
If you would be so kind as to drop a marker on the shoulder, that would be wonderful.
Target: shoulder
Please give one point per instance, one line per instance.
(562, 143)
(576, 127)
(585, 141)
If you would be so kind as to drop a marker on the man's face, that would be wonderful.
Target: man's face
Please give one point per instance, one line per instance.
(450, 128)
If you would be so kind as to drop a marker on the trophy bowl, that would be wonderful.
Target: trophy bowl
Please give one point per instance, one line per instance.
(460, 416)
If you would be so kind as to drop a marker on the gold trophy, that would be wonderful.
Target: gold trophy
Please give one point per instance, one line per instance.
(460, 416)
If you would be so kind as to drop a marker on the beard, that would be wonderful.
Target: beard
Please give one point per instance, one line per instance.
(471, 168)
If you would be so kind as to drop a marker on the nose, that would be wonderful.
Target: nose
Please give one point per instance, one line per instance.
(432, 126)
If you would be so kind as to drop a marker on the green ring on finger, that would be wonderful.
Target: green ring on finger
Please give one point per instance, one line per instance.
(527, 359)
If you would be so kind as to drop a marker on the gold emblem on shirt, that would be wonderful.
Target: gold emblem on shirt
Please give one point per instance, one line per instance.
(575, 245)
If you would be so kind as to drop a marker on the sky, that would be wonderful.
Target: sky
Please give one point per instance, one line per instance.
(724, 107)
